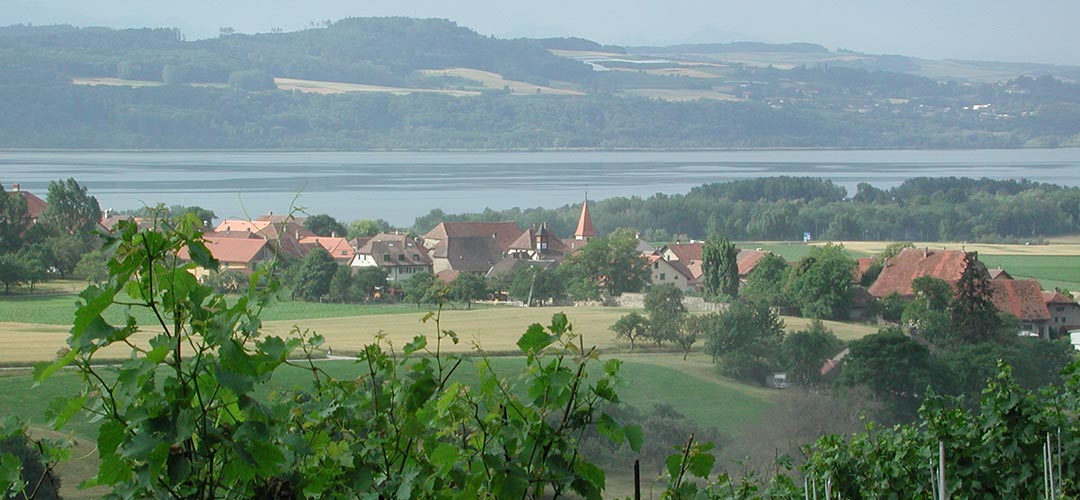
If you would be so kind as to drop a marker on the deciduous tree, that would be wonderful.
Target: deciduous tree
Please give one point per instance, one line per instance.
(610, 262)
(468, 287)
(666, 311)
(325, 225)
(632, 327)
(315, 274)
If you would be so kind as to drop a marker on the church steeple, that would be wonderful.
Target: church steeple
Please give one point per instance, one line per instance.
(585, 229)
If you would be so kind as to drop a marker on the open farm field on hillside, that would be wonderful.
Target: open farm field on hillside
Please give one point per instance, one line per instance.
(317, 87)
(984, 249)
(495, 81)
(346, 328)
(60, 310)
(682, 94)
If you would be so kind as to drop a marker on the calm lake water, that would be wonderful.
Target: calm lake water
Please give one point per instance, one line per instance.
(400, 186)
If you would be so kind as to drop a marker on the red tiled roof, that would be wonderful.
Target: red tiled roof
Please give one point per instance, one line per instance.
(284, 232)
(226, 250)
(447, 275)
(911, 263)
(1021, 298)
(339, 248)
(862, 264)
(748, 260)
(1055, 297)
(34, 205)
(999, 274)
(585, 227)
(687, 252)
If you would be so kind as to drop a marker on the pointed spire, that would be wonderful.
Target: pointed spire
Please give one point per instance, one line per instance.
(585, 229)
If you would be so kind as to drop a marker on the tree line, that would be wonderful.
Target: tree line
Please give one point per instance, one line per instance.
(783, 208)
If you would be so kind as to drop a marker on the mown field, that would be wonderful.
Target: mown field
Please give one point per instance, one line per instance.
(346, 328)
(1055, 265)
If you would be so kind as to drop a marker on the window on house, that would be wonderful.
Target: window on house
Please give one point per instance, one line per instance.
(401, 257)
(386, 257)
(415, 256)
(663, 276)
(1061, 309)
(656, 265)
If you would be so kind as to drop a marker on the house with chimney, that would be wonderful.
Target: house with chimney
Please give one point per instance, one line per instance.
(911, 263)
(399, 255)
(339, 248)
(35, 206)
(282, 232)
(1040, 313)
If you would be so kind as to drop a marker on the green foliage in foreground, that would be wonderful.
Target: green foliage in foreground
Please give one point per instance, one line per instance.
(183, 420)
(187, 418)
(60, 310)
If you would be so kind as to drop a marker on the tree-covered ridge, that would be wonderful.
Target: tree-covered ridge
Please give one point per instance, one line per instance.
(783, 208)
(806, 106)
(359, 50)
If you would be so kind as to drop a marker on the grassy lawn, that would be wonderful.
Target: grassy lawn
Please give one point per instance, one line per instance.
(50, 309)
(1051, 270)
(1054, 265)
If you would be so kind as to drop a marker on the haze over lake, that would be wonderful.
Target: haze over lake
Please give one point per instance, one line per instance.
(399, 186)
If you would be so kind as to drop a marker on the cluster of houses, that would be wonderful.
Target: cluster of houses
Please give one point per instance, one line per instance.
(1041, 313)
(492, 248)
(451, 248)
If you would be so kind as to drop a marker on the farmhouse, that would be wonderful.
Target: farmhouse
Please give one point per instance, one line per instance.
(399, 255)
(900, 271)
(233, 254)
(284, 232)
(666, 272)
(35, 206)
(339, 248)
(1024, 300)
(1064, 312)
(687, 254)
(470, 246)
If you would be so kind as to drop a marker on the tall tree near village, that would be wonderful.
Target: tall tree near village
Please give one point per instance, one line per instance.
(325, 225)
(720, 265)
(610, 262)
(666, 312)
(316, 272)
(974, 316)
(71, 210)
(14, 220)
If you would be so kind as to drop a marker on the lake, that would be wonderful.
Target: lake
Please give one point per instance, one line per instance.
(399, 186)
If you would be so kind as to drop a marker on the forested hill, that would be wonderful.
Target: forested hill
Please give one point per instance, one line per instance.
(381, 51)
(400, 83)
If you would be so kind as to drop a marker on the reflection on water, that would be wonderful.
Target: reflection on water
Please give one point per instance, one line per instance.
(399, 186)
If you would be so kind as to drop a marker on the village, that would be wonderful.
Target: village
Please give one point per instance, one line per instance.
(491, 249)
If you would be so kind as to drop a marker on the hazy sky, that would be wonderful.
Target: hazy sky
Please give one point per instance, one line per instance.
(1004, 30)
